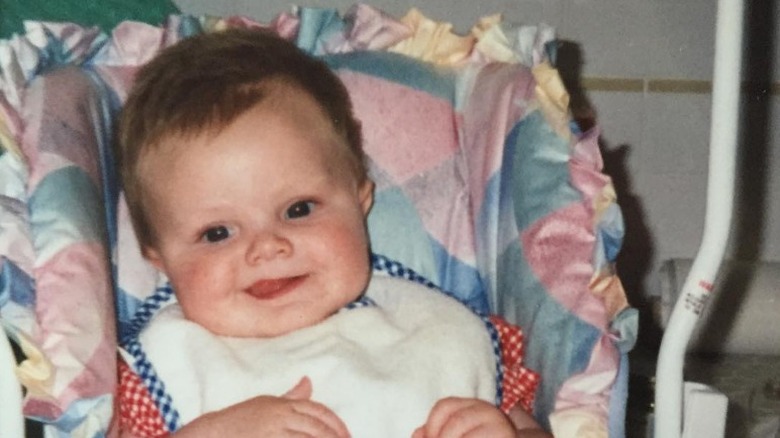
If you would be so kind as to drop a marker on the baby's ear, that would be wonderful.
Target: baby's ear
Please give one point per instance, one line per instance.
(153, 257)
(366, 195)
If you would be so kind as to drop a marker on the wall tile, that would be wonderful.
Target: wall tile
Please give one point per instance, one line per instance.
(207, 7)
(642, 38)
(523, 12)
(267, 10)
(675, 138)
(674, 207)
(463, 14)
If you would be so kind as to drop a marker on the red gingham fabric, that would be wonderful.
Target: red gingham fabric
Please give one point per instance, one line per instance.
(140, 416)
(519, 383)
(137, 412)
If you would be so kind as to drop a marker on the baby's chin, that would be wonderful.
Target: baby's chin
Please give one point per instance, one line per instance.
(281, 326)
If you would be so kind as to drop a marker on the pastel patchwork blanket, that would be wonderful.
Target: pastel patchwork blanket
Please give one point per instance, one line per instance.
(484, 186)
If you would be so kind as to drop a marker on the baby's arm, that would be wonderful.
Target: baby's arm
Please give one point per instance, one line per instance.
(473, 418)
(292, 414)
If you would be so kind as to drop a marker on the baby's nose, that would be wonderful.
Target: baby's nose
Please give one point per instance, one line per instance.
(267, 246)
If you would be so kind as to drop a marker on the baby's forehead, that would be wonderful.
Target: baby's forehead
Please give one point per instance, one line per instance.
(221, 113)
(275, 99)
(294, 105)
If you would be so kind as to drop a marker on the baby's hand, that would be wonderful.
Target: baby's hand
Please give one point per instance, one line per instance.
(291, 415)
(465, 418)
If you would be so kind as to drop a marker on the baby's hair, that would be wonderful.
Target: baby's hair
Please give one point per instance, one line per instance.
(203, 83)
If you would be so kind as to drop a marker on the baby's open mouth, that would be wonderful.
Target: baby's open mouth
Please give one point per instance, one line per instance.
(274, 288)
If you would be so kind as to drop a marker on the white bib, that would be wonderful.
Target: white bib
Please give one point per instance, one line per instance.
(379, 368)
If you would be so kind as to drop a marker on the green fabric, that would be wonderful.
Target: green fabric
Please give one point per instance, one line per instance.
(103, 13)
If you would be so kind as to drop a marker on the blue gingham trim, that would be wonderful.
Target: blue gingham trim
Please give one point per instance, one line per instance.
(147, 309)
(156, 387)
(359, 303)
(495, 342)
(144, 368)
(396, 269)
(141, 364)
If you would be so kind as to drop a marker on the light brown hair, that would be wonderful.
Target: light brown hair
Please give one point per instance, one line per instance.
(203, 83)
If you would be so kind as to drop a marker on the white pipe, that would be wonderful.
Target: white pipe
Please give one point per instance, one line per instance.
(720, 192)
(11, 418)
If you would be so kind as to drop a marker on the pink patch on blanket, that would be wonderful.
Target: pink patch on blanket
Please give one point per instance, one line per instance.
(58, 111)
(39, 408)
(48, 162)
(559, 250)
(441, 199)
(118, 78)
(592, 387)
(406, 131)
(75, 282)
(99, 376)
(136, 43)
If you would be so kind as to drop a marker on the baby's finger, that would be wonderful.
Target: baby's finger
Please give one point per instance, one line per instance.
(480, 431)
(475, 420)
(307, 427)
(301, 391)
(321, 415)
(460, 423)
(441, 413)
(298, 434)
(464, 427)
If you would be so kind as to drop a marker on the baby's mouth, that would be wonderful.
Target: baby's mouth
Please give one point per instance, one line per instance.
(274, 288)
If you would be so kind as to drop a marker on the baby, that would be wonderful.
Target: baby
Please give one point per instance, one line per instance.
(242, 167)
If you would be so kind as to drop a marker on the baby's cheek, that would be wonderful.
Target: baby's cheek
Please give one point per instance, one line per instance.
(195, 281)
(350, 247)
(202, 292)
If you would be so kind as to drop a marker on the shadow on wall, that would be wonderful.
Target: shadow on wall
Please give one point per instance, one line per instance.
(751, 187)
(755, 122)
(636, 255)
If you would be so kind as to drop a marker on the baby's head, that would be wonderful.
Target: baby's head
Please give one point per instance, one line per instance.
(202, 84)
(245, 179)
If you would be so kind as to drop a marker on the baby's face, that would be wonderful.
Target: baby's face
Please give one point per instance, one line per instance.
(261, 228)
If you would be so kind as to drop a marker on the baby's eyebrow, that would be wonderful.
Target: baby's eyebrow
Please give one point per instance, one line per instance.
(315, 182)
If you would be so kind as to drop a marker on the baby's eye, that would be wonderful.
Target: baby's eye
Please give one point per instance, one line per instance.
(299, 209)
(216, 234)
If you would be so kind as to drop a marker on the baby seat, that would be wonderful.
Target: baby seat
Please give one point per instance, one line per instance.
(485, 187)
